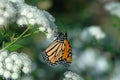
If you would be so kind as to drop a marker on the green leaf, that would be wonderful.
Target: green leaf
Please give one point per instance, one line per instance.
(13, 47)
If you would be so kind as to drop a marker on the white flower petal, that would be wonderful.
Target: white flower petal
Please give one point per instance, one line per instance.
(15, 75)
(7, 74)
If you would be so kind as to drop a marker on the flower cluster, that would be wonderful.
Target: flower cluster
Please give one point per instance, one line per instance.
(91, 60)
(113, 8)
(31, 15)
(7, 12)
(92, 31)
(24, 14)
(71, 76)
(13, 64)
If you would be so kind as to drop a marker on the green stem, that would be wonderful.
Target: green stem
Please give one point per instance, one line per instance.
(31, 33)
(16, 38)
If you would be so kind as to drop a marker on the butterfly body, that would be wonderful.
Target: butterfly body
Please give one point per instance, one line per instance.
(59, 51)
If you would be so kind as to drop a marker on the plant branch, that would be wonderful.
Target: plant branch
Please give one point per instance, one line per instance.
(16, 39)
(31, 33)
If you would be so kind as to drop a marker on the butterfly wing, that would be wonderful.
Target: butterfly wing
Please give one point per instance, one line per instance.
(59, 51)
(67, 54)
(53, 52)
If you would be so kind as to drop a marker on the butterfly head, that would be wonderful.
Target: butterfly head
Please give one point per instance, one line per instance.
(61, 36)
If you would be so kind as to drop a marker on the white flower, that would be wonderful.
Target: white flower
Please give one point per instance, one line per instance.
(32, 21)
(96, 32)
(14, 55)
(14, 75)
(1, 58)
(101, 65)
(3, 53)
(7, 74)
(12, 11)
(38, 16)
(87, 59)
(13, 64)
(42, 29)
(16, 68)
(85, 35)
(26, 69)
(27, 61)
(18, 62)
(113, 8)
(17, 1)
(8, 60)
(9, 66)
(31, 15)
(2, 21)
(7, 12)
(92, 32)
(1, 71)
(22, 21)
(71, 76)
(112, 5)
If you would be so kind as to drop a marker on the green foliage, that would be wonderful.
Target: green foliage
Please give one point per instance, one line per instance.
(13, 47)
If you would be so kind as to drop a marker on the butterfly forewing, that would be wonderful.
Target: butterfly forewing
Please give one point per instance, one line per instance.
(53, 44)
(52, 50)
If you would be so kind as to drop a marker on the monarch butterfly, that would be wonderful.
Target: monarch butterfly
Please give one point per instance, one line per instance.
(59, 51)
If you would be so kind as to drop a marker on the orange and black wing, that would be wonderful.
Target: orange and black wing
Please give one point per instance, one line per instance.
(67, 54)
(52, 54)
(59, 51)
